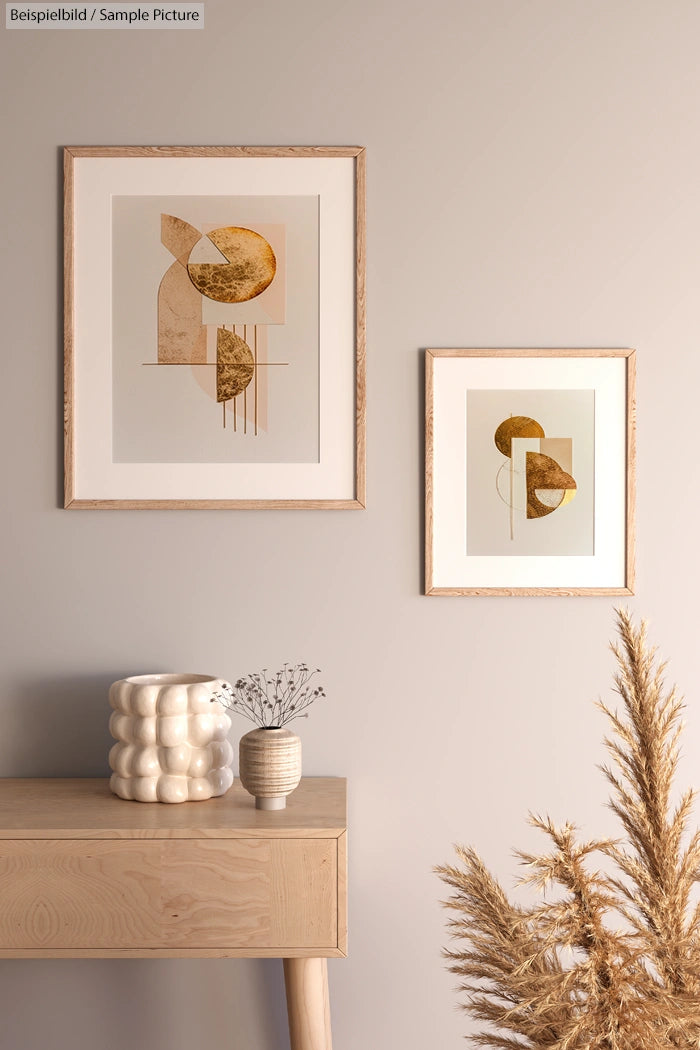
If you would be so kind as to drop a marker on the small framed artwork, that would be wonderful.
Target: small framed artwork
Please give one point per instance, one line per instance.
(214, 327)
(530, 460)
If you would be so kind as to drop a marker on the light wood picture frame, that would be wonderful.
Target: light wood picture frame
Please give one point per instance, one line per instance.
(530, 471)
(245, 266)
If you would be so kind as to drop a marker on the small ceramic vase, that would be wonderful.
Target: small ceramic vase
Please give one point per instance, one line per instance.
(171, 739)
(270, 765)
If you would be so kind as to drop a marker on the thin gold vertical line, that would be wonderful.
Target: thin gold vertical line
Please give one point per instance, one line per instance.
(235, 422)
(255, 375)
(245, 389)
(512, 513)
(223, 405)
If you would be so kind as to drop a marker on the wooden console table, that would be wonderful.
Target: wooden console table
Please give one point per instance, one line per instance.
(85, 874)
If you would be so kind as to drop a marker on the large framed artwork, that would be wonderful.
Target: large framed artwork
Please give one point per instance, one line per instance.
(530, 472)
(214, 327)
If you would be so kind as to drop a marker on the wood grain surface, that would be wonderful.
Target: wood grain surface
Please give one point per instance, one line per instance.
(308, 1004)
(169, 894)
(85, 808)
(83, 873)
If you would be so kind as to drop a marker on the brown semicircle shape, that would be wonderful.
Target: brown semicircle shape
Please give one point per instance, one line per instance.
(544, 473)
(235, 365)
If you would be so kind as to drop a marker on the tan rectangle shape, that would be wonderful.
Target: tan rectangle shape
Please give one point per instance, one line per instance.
(85, 808)
(170, 953)
(172, 895)
(558, 449)
(342, 842)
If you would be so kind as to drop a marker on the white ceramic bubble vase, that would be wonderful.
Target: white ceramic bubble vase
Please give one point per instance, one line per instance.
(171, 739)
(269, 765)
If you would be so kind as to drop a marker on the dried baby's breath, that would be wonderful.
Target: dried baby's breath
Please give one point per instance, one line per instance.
(272, 700)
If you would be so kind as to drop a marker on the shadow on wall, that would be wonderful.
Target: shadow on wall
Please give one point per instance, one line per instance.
(164, 1004)
(56, 727)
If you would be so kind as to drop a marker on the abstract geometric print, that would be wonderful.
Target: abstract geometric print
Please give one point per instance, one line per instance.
(530, 472)
(535, 475)
(215, 329)
(226, 265)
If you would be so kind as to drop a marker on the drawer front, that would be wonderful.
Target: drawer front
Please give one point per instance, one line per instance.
(170, 894)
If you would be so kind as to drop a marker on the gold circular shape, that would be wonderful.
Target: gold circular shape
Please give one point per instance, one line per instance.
(516, 427)
(249, 268)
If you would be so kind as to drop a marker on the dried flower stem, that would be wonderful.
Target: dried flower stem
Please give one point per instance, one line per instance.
(275, 700)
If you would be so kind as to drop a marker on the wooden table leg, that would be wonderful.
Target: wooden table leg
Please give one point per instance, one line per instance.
(308, 1005)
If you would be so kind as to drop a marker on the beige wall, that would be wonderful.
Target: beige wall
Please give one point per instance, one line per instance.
(534, 180)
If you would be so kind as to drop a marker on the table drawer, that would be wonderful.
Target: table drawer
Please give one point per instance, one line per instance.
(174, 894)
